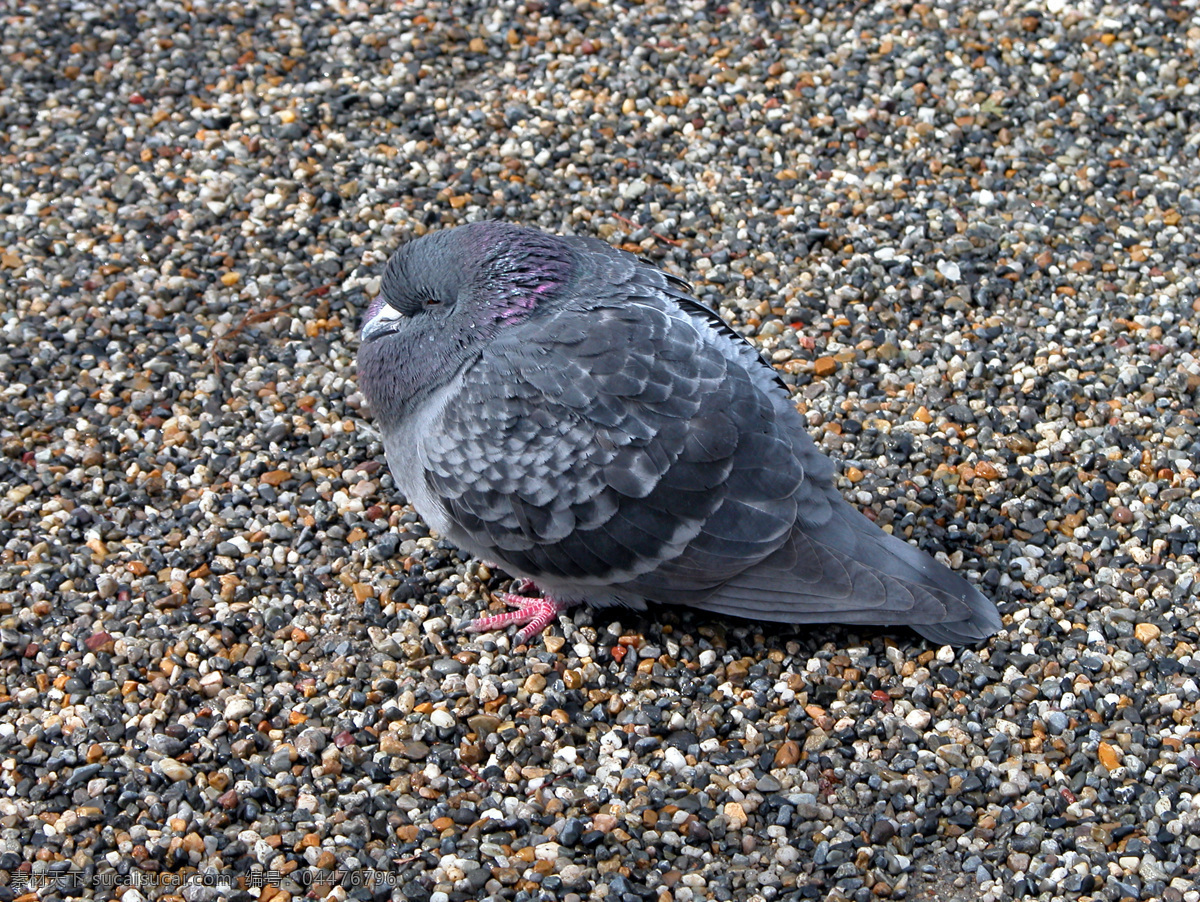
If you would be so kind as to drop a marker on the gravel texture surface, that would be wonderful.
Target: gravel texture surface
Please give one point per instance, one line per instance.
(969, 235)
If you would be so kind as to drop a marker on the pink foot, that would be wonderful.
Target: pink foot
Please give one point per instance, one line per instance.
(535, 613)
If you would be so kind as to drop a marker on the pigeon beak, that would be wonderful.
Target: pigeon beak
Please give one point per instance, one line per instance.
(386, 320)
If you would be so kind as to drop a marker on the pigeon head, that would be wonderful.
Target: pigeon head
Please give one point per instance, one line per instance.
(443, 297)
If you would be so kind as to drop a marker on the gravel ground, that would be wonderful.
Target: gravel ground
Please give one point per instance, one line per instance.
(967, 233)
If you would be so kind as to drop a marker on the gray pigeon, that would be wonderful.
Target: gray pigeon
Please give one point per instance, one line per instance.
(573, 414)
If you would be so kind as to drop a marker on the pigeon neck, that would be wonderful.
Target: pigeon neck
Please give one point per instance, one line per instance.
(520, 304)
(525, 274)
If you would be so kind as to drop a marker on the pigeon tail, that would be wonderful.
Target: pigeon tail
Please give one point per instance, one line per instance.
(849, 571)
(970, 617)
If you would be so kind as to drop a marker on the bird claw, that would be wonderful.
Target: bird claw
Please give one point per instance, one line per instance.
(535, 613)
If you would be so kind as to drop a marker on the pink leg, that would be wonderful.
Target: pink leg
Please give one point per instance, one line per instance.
(535, 613)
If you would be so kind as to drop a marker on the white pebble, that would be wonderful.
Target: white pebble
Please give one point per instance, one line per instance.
(238, 708)
(949, 269)
(918, 719)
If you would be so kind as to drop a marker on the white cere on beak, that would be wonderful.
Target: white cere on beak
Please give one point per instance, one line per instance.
(382, 321)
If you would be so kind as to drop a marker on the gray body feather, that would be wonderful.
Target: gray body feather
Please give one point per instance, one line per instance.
(609, 438)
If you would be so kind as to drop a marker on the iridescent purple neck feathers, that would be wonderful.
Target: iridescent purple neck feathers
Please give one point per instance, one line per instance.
(520, 268)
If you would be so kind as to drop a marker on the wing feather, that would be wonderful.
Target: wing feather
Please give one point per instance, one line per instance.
(603, 442)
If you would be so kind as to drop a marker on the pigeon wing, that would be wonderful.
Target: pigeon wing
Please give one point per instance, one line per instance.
(834, 564)
(592, 445)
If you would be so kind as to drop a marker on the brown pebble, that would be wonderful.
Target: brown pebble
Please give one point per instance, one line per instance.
(985, 470)
(825, 366)
(101, 641)
(788, 754)
(1109, 756)
(1146, 632)
(535, 683)
(391, 744)
(504, 876)
(483, 724)
(471, 752)
(242, 748)
(1122, 514)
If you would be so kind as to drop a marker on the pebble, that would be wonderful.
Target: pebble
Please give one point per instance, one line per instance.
(882, 830)
(918, 718)
(238, 707)
(310, 742)
(173, 770)
(229, 642)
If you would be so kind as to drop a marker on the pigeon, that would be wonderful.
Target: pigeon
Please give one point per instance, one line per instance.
(573, 414)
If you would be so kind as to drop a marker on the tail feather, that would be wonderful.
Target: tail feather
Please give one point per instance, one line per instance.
(890, 583)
